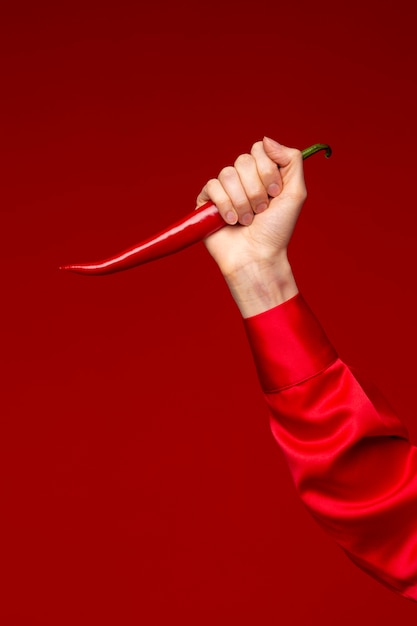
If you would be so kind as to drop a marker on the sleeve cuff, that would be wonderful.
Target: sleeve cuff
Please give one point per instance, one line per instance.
(288, 344)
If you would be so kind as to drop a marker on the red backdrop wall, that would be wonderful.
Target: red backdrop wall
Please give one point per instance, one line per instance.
(139, 482)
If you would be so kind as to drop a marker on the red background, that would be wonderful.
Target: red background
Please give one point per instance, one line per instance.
(139, 481)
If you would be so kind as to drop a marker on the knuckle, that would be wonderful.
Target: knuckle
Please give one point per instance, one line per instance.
(244, 160)
(211, 185)
(257, 146)
(227, 172)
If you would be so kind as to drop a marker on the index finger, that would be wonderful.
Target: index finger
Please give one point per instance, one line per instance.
(267, 169)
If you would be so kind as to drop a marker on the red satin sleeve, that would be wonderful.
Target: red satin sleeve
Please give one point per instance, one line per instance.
(349, 454)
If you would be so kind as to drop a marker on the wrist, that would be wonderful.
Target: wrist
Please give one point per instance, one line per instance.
(260, 286)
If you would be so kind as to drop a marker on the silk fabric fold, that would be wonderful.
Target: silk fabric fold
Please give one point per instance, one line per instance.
(349, 454)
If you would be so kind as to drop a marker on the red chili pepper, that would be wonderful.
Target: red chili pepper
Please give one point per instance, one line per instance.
(192, 228)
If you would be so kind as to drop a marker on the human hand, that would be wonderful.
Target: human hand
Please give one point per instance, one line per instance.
(265, 200)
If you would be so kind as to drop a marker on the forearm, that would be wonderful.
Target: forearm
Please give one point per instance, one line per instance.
(262, 285)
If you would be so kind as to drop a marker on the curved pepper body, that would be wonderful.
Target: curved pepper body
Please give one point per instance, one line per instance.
(192, 228)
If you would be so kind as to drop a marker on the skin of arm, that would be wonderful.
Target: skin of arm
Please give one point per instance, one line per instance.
(261, 197)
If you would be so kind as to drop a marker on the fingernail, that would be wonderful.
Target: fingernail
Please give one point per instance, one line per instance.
(261, 207)
(231, 217)
(273, 190)
(247, 219)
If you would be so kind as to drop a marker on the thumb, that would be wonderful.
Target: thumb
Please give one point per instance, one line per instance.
(279, 153)
(289, 160)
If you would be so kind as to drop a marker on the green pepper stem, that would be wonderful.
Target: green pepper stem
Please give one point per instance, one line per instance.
(307, 152)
